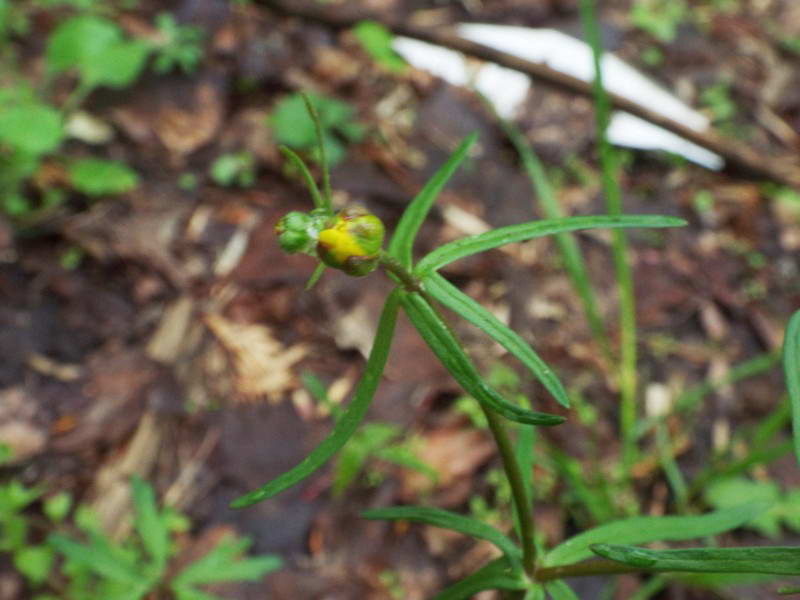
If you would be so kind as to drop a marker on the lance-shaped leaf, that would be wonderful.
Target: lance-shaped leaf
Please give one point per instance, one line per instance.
(149, 522)
(501, 236)
(448, 349)
(457, 301)
(773, 560)
(791, 369)
(639, 530)
(449, 520)
(350, 419)
(106, 564)
(415, 214)
(559, 590)
(496, 575)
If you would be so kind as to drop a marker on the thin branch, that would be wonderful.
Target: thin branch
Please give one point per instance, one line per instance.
(737, 156)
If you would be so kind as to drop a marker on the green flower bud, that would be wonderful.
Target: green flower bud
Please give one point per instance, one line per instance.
(296, 232)
(351, 241)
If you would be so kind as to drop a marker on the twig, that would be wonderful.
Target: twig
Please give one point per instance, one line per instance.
(738, 158)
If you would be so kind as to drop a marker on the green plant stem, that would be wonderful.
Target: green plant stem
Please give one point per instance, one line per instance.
(619, 247)
(516, 480)
(406, 277)
(496, 426)
(584, 569)
(323, 159)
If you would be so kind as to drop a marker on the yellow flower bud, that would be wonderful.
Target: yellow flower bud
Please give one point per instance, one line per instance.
(352, 241)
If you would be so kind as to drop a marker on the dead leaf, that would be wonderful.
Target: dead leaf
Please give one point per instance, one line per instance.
(263, 365)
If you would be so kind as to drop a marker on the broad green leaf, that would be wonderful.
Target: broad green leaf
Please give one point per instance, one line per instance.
(377, 41)
(34, 562)
(31, 128)
(97, 177)
(764, 559)
(117, 66)
(791, 369)
(56, 507)
(496, 575)
(78, 41)
(449, 520)
(15, 496)
(525, 231)
(350, 419)
(225, 563)
(639, 530)
(448, 349)
(472, 311)
(559, 590)
(148, 522)
(416, 212)
(14, 531)
(101, 563)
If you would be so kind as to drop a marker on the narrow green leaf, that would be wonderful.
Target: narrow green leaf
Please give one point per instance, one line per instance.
(639, 530)
(791, 369)
(559, 590)
(105, 565)
(350, 419)
(623, 273)
(449, 520)
(318, 271)
(496, 575)
(535, 593)
(225, 562)
(416, 212)
(448, 349)
(457, 301)
(774, 560)
(567, 244)
(307, 177)
(789, 591)
(495, 238)
(148, 522)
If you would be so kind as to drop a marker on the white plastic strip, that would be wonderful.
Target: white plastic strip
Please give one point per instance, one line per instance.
(507, 88)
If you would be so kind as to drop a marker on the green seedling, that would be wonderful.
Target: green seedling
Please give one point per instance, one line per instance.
(659, 18)
(382, 441)
(179, 47)
(65, 566)
(235, 169)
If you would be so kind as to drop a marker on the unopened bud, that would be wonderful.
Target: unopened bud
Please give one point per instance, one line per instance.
(352, 241)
